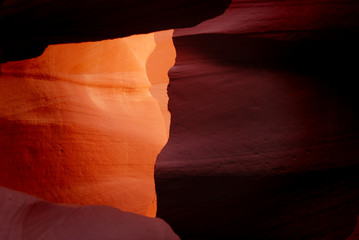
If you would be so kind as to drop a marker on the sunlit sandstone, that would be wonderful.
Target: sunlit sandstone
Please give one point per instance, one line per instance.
(80, 125)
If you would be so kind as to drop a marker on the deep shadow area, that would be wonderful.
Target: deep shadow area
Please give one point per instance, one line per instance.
(318, 203)
(329, 56)
(28, 27)
(310, 205)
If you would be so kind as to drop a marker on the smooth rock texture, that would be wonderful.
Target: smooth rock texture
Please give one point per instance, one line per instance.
(28, 218)
(264, 133)
(82, 123)
(157, 67)
(79, 124)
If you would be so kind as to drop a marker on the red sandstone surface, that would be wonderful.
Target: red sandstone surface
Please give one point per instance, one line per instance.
(264, 131)
(86, 127)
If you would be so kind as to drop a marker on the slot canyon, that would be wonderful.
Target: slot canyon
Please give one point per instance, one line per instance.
(193, 120)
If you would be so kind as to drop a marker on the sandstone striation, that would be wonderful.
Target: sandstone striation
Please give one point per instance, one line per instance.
(83, 123)
(264, 130)
(79, 124)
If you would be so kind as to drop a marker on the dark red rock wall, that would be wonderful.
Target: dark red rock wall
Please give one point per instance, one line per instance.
(264, 131)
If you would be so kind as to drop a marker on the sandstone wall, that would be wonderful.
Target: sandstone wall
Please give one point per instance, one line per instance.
(79, 124)
(264, 131)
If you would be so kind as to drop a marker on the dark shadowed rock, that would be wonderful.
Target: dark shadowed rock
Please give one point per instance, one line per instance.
(264, 131)
(27, 27)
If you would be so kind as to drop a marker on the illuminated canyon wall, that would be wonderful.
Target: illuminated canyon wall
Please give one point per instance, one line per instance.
(264, 129)
(86, 127)
(79, 125)
(264, 122)
(83, 123)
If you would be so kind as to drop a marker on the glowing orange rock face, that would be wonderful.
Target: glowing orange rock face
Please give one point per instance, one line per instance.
(79, 124)
(163, 58)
